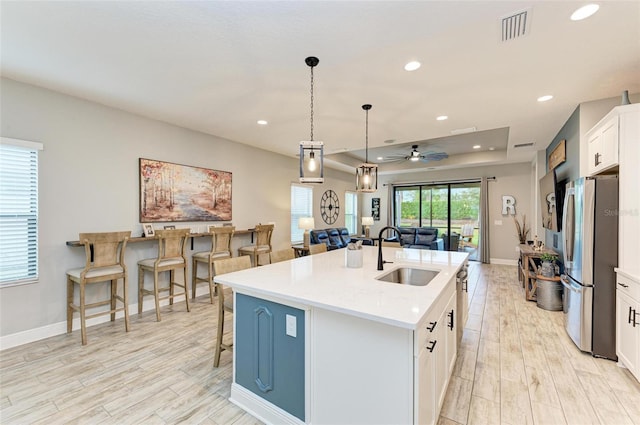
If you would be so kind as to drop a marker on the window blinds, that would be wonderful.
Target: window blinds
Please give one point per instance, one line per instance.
(301, 206)
(18, 211)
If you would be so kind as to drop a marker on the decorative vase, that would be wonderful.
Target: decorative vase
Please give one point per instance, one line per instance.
(625, 98)
(548, 269)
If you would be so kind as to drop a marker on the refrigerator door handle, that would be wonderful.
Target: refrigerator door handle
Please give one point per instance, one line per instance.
(565, 282)
(568, 225)
(571, 285)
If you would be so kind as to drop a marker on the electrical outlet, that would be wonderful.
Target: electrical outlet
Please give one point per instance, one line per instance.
(291, 325)
(497, 222)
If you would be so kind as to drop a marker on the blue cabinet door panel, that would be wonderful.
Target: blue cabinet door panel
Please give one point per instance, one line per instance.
(269, 362)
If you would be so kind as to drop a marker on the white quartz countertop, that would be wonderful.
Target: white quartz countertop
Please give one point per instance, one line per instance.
(324, 281)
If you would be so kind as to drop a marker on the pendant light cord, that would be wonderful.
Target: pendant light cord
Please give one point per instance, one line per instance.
(311, 103)
(366, 138)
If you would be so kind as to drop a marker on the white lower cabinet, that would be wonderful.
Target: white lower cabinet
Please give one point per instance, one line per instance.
(436, 358)
(365, 372)
(425, 386)
(628, 323)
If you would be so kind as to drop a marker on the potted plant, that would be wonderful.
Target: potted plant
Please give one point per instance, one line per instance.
(521, 229)
(548, 268)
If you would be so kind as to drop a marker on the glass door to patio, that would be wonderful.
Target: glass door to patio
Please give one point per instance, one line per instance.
(453, 208)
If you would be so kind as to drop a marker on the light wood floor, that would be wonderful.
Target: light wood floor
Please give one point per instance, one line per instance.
(515, 366)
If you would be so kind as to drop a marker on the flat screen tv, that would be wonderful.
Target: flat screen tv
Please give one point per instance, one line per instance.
(551, 199)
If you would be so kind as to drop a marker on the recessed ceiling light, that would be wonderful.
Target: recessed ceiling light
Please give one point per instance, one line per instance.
(491, 148)
(390, 141)
(380, 158)
(442, 117)
(584, 12)
(262, 122)
(545, 98)
(477, 146)
(412, 66)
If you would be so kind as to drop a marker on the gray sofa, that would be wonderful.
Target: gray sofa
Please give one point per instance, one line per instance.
(334, 238)
(421, 238)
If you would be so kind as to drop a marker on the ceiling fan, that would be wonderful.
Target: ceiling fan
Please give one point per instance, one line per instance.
(415, 155)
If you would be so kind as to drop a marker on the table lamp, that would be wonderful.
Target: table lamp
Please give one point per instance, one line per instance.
(307, 224)
(366, 222)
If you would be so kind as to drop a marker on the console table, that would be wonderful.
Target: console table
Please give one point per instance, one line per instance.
(527, 268)
(300, 250)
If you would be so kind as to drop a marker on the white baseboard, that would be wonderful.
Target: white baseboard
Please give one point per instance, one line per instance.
(503, 261)
(54, 329)
(260, 408)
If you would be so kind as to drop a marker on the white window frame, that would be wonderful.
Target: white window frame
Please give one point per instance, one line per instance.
(351, 212)
(18, 211)
(301, 206)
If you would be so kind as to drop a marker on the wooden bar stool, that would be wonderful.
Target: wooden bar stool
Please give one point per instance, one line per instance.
(104, 254)
(220, 249)
(171, 248)
(317, 248)
(225, 299)
(262, 245)
(282, 255)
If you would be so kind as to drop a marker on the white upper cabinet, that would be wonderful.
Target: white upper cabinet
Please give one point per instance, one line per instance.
(629, 199)
(603, 146)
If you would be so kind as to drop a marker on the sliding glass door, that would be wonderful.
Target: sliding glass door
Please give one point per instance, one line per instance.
(452, 208)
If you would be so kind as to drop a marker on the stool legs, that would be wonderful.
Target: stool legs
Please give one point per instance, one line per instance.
(186, 291)
(69, 303)
(220, 330)
(125, 298)
(155, 294)
(114, 293)
(140, 286)
(210, 279)
(156, 289)
(82, 305)
(195, 279)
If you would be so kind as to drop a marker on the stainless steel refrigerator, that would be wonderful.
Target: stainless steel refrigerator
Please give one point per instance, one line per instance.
(590, 234)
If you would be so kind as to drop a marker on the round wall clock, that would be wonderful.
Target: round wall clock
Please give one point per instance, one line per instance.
(329, 206)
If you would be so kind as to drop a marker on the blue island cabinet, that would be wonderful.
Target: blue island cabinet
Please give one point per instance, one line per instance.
(270, 352)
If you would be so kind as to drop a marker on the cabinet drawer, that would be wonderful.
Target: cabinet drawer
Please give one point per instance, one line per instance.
(427, 332)
(628, 286)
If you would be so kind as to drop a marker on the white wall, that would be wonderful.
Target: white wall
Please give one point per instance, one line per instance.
(89, 183)
(511, 179)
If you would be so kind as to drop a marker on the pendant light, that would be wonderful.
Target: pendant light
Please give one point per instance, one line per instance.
(367, 174)
(311, 152)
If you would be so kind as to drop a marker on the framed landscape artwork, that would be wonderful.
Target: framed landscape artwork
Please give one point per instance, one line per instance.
(175, 192)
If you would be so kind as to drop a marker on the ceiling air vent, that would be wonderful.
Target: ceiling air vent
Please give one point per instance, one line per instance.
(516, 26)
(524, 145)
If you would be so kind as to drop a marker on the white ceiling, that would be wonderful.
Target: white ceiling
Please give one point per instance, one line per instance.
(219, 66)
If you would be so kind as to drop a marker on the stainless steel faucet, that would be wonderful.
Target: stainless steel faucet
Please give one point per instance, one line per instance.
(380, 260)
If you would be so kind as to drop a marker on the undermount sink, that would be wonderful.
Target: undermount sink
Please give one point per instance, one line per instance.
(409, 276)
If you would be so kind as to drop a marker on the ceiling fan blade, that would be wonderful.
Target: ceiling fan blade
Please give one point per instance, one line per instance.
(435, 156)
(414, 155)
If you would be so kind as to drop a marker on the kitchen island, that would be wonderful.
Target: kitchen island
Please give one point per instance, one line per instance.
(317, 342)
